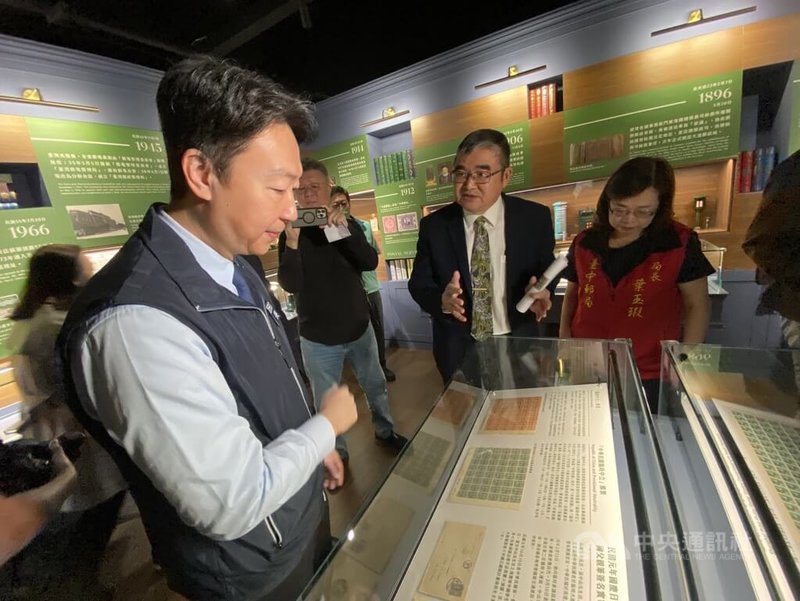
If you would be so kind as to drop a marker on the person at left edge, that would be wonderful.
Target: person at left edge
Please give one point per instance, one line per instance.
(175, 362)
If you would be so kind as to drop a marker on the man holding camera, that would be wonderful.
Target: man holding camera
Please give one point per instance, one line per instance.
(324, 274)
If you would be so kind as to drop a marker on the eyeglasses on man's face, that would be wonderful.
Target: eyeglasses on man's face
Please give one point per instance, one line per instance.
(479, 176)
(638, 213)
(313, 189)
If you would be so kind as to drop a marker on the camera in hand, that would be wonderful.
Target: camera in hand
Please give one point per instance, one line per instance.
(310, 217)
(27, 464)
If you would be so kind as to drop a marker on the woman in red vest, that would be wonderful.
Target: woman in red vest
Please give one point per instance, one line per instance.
(637, 273)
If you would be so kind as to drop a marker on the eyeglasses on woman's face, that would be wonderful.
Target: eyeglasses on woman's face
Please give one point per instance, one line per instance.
(638, 213)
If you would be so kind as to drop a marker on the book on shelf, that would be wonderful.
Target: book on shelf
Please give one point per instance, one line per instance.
(545, 100)
(753, 168)
(401, 167)
(412, 171)
(394, 167)
(746, 172)
(758, 169)
(542, 100)
(766, 163)
(539, 109)
(384, 171)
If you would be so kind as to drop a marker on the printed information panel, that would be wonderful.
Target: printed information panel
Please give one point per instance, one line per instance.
(348, 164)
(70, 182)
(398, 218)
(685, 123)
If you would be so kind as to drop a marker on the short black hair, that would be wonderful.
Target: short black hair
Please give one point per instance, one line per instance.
(217, 107)
(634, 177)
(486, 138)
(312, 164)
(339, 190)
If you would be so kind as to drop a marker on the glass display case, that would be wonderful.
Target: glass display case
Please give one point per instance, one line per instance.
(534, 476)
(286, 299)
(715, 254)
(729, 432)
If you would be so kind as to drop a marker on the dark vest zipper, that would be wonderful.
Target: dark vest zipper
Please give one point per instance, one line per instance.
(274, 532)
(273, 529)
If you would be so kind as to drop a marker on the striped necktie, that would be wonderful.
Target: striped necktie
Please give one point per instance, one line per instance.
(481, 271)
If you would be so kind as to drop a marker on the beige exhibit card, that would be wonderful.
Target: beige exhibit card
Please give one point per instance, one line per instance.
(511, 415)
(454, 406)
(452, 562)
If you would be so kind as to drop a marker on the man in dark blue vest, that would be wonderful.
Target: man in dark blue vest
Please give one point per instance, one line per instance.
(176, 362)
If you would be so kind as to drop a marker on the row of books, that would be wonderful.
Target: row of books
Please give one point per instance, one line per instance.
(541, 100)
(399, 269)
(753, 169)
(394, 167)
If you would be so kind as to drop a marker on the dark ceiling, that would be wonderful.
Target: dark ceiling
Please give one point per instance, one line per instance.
(320, 47)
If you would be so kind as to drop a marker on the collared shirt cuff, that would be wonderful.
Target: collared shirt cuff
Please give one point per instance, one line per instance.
(320, 430)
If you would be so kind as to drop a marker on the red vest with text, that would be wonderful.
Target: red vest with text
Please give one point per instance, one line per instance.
(644, 306)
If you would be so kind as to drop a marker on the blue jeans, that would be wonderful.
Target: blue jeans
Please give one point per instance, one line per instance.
(324, 367)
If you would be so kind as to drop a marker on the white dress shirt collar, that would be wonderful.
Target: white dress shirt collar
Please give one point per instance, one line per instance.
(492, 214)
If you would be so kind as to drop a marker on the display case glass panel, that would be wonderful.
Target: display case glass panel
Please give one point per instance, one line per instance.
(729, 430)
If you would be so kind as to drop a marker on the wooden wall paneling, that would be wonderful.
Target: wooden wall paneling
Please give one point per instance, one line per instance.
(743, 209)
(771, 41)
(365, 208)
(456, 122)
(724, 195)
(672, 63)
(699, 180)
(547, 149)
(9, 394)
(15, 142)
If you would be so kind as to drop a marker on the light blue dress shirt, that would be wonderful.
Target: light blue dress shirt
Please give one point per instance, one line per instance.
(152, 382)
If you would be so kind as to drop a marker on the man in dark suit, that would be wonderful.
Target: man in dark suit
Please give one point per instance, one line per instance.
(477, 257)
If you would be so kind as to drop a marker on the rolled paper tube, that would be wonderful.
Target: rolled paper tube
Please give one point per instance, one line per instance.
(548, 276)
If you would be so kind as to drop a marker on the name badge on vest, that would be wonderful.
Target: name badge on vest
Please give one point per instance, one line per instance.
(272, 312)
